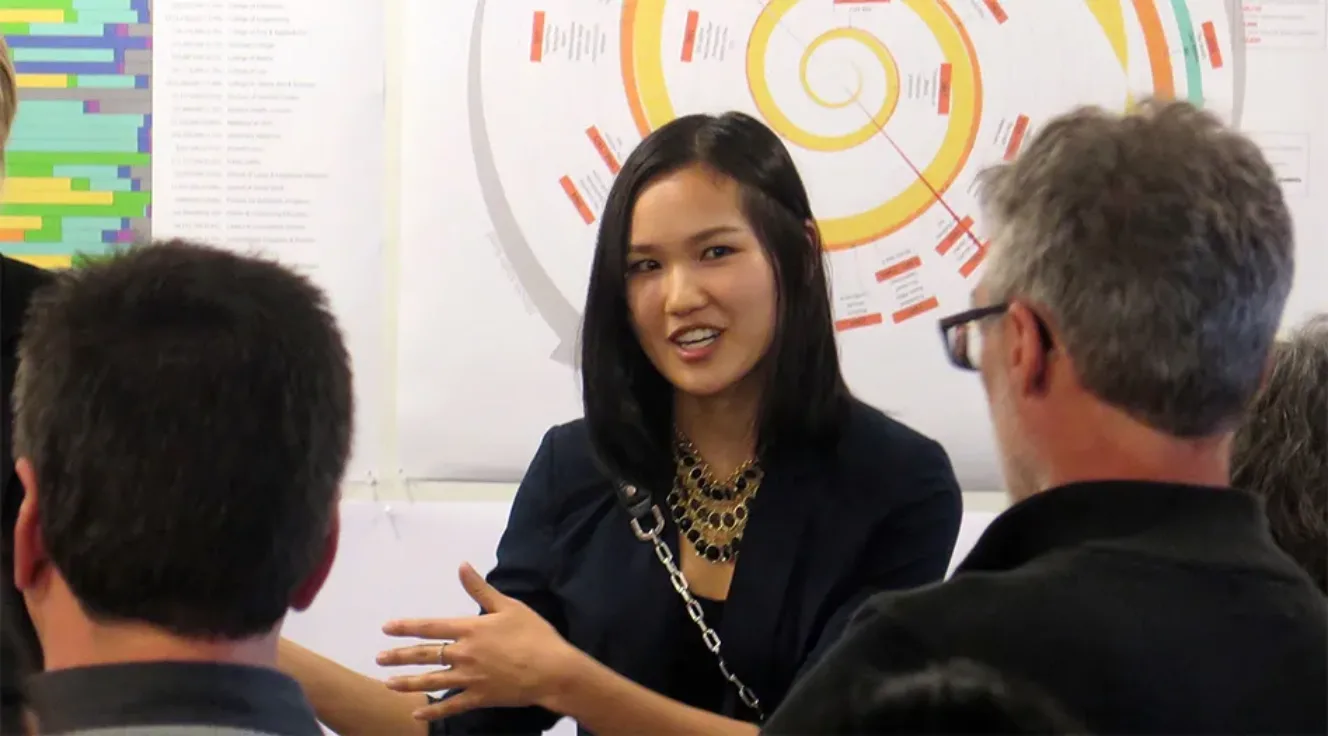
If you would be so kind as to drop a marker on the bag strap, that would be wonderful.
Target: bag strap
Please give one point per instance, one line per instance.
(640, 506)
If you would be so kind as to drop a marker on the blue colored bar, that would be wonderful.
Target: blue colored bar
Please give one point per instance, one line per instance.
(66, 67)
(63, 40)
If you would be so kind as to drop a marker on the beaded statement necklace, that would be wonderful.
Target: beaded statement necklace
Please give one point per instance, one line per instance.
(711, 515)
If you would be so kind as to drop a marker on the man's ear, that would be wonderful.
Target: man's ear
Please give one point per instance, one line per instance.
(1025, 351)
(29, 547)
(305, 594)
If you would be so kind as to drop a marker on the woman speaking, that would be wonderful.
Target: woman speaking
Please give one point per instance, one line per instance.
(674, 560)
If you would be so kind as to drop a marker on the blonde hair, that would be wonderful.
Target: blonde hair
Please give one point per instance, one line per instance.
(8, 97)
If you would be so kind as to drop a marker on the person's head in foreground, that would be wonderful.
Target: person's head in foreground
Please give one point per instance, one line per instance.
(182, 423)
(956, 697)
(1138, 270)
(707, 286)
(1281, 450)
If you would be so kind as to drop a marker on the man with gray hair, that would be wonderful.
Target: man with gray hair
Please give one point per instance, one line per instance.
(1138, 270)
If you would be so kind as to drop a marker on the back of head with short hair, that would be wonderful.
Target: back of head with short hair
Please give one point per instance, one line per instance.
(187, 412)
(957, 696)
(1158, 246)
(1281, 451)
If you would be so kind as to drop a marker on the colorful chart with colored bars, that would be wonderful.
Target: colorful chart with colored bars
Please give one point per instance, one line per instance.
(78, 165)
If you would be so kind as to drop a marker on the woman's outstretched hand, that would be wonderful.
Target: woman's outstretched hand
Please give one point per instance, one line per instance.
(505, 658)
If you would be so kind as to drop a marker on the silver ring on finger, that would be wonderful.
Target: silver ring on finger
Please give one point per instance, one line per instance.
(442, 654)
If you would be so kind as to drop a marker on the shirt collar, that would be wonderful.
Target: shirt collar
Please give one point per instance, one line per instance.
(1199, 523)
(171, 693)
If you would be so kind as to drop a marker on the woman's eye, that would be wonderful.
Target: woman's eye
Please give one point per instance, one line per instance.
(642, 265)
(717, 251)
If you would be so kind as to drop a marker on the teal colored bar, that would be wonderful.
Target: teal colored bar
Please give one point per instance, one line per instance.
(83, 126)
(101, 5)
(75, 171)
(110, 185)
(107, 16)
(104, 81)
(127, 143)
(66, 29)
(89, 224)
(26, 54)
(77, 244)
(46, 109)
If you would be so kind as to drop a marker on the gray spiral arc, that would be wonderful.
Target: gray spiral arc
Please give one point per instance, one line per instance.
(549, 301)
(1236, 14)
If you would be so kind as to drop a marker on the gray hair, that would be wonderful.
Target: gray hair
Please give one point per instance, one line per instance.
(1158, 248)
(1281, 451)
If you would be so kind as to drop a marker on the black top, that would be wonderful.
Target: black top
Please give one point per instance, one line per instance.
(880, 511)
(1141, 607)
(179, 698)
(692, 665)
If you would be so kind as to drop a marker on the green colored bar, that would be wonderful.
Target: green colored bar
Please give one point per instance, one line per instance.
(26, 54)
(97, 4)
(28, 170)
(50, 232)
(117, 209)
(14, 29)
(66, 29)
(91, 172)
(81, 259)
(104, 81)
(79, 185)
(92, 158)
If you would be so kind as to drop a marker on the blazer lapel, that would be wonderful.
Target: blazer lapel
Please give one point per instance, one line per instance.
(759, 594)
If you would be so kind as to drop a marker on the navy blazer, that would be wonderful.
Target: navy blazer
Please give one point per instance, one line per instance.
(827, 531)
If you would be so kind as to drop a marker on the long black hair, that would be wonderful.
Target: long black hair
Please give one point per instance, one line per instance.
(628, 403)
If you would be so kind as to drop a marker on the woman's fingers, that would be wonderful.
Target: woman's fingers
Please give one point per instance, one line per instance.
(449, 679)
(455, 705)
(434, 654)
(431, 628)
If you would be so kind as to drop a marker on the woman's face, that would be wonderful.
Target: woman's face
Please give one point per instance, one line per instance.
(700, 287)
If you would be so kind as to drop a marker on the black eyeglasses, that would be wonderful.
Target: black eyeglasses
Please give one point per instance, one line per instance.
(963, 341)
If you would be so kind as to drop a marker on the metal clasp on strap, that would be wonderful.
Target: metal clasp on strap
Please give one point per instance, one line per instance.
(653, 534)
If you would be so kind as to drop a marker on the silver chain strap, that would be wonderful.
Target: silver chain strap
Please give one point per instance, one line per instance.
(708, 635)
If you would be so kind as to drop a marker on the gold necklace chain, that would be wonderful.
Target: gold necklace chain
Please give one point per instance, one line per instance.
(711, 515)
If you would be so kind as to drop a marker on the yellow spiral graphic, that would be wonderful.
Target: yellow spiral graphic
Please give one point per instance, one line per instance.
(961, 116)
(777, 120)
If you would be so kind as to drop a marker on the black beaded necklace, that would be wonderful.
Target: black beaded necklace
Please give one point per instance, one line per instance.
(711, 515)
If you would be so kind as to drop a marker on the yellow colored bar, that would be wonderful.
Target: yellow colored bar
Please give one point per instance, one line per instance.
(32, 15)
(38, 184)
(51, 196)
(20, 222)
(48, 81)
(63, 261)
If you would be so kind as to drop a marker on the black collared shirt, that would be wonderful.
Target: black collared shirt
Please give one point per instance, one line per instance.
(1141, 607)
(172, 697)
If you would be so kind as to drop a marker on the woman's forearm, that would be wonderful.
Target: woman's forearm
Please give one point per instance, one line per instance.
(606, 703)
(347, 702)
